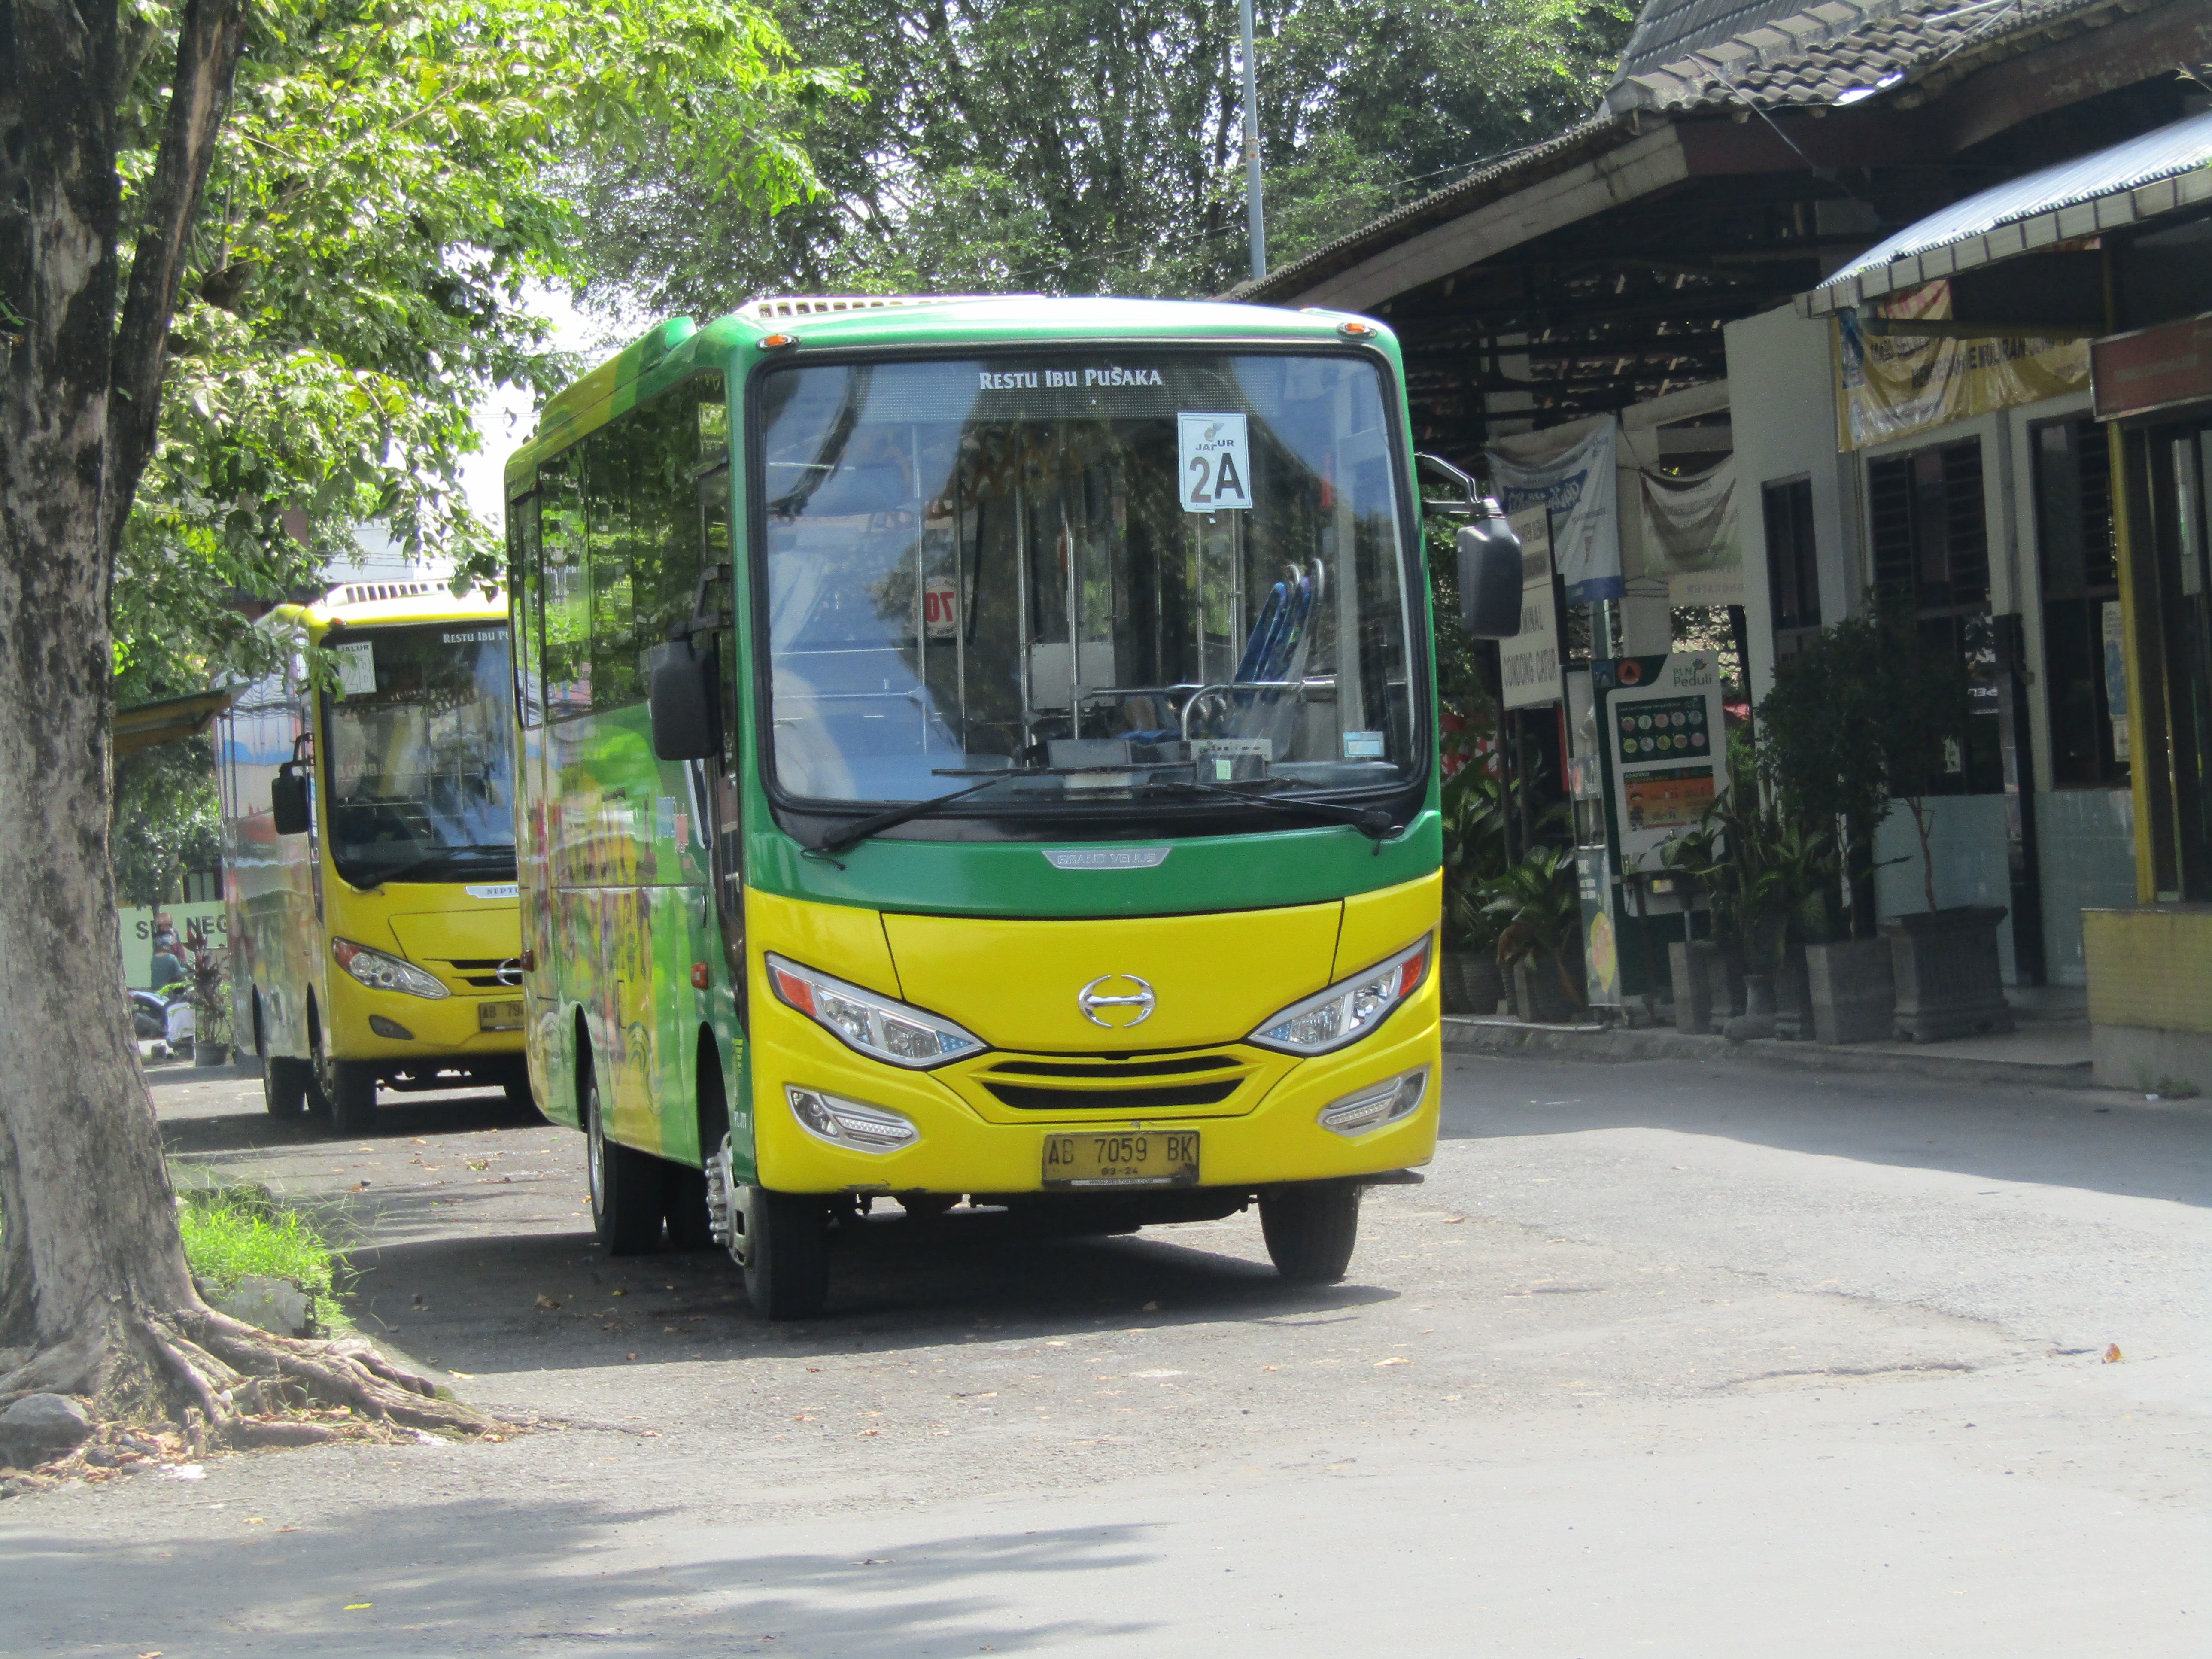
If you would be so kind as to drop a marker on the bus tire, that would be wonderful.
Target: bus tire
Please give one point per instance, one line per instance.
(348, 1092)
(1310, 1229)
(787, 1253)
(627, 1185)
(285, 1087)
(684, 1198)
(522, 1101)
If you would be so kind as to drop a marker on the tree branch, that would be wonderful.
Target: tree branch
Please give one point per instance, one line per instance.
(208, 46)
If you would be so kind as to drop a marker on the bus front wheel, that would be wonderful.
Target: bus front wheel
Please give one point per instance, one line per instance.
(1310, 1229)
(345, 1093)
(626, 1185)
(284, 1086)
(786, 1253)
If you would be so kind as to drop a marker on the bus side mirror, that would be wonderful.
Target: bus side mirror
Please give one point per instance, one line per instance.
(685, 699)
(1489, 576)
(1445, 488)
(288, 799)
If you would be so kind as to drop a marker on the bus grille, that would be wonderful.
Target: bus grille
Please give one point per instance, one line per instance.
(1113, 1086)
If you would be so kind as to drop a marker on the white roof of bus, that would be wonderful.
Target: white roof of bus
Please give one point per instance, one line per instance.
(360, 603)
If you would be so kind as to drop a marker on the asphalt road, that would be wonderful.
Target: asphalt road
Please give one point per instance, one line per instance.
(1662, 1359)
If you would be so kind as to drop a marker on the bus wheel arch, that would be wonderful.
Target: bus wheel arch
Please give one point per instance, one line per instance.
(629, 1188)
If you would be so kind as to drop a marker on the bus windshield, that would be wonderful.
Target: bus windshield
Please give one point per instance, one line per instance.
(422, 770)
(1097, 571)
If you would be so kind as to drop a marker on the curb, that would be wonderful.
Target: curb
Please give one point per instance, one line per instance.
(1605, 1042)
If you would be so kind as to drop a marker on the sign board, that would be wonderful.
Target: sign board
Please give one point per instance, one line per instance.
(1666, 749)
(1530, 662)
(1889, 386)
(1215, 463)
(207, 920)
(2152, 368)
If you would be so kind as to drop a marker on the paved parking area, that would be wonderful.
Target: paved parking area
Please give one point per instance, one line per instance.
(1663, 1358)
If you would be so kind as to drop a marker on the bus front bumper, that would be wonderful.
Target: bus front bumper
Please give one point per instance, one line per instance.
(1279, 1138)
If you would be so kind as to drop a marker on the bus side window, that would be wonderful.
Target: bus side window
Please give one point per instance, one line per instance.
(610, 486)
(564, 602)
(523, 584)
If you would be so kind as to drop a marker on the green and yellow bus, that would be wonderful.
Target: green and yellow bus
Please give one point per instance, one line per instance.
(368, 855)
(980, 749)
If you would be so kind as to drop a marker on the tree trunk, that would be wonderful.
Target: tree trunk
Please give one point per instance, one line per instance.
(95, 1296)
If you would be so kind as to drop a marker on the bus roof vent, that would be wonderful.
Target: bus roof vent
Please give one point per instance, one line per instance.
(770, 310)
(367, 592)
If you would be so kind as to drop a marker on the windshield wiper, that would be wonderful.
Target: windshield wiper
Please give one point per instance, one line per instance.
(853, 833)
(1372, 822)
(443, 855)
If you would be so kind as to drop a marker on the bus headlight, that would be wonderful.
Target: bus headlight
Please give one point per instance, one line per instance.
(382, 973)
(1376, 1104)
(848, 1123)
(1349, 1009)
(877, 1026)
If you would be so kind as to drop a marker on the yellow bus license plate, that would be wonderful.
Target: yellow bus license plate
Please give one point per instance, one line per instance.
(1138, 1158)
(499, 1016)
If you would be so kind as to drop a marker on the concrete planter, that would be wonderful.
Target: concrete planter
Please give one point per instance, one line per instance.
(1694, 966)
(1793, 1017)
(1851, 990)
(1538, 996)
(1756, 1022)
(1946, 967)
(1472, 982)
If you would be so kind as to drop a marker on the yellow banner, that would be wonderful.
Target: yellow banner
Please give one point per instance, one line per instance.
(1890, 386)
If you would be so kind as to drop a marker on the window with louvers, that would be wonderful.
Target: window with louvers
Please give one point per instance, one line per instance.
(1928, 530)
(1930, 533)
(2080, 580)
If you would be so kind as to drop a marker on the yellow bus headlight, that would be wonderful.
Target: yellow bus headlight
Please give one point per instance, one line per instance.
(877, 1026)
(848, 1123)
(1377, 1104)
(1347, 1010)
(382, 973)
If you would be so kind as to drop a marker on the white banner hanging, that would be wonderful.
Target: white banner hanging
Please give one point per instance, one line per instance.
(1690, 535)
(1568, 470)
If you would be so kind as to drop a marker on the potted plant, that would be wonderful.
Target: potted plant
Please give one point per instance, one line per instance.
(1865, 715)
(207, 988)
(1474, 855)
(1538, 905)
(1767, 878)
(1949, 982)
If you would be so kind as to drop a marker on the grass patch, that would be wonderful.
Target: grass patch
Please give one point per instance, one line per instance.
(232, 1232)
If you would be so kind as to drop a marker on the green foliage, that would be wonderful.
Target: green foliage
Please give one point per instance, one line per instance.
(232, 1232)
(1767, 875)
(1092, 146)
(389, 183)
(168, 820)
(1859, 717)
(1473, 806)
(1538, 902)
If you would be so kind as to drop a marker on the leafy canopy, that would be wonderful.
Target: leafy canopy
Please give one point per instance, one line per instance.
(1092, 146)
(391, 184)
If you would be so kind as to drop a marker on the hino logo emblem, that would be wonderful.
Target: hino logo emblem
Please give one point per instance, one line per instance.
(1097, 995)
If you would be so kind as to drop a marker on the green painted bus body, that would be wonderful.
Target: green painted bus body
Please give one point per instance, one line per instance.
(638, 922)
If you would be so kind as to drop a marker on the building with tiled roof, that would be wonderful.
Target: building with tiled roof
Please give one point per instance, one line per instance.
(1844, 260)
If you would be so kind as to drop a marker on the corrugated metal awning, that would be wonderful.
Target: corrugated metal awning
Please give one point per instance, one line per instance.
(2159, 173)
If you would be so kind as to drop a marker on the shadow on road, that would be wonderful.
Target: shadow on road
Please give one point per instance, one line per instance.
(482, 1303)
(398, 1115)
(2050, 1137)
(392, 1579)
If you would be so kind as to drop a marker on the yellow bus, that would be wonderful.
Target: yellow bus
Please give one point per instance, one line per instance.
(983, 748)
(368, 855)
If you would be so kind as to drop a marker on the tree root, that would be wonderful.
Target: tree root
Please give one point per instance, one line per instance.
(228, 1384)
